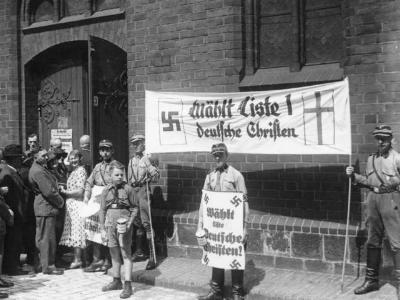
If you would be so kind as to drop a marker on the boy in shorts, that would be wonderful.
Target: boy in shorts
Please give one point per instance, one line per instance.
(118, 211)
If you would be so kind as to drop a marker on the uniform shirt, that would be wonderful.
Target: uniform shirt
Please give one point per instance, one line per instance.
(387, 167)
(122, 195)
(230, 180)
(139, 168)
(44, 185)
(101, 176)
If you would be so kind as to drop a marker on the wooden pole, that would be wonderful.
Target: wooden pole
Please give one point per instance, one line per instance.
(347, 230)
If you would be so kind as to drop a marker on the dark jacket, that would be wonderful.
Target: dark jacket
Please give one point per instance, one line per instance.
(86, 161)
(5, 217)
(16, 197)
(44, 185)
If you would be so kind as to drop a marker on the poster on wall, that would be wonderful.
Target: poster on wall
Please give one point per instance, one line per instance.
(65, 135)
(305, 120)
(223, 229)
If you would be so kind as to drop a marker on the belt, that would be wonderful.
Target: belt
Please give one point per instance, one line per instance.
(137, 184)
(117, 206)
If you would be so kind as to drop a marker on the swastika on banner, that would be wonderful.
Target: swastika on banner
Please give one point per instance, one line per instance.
(206, 198)
(235, 264)
(206, 259)
(236, 201)
(170, 121)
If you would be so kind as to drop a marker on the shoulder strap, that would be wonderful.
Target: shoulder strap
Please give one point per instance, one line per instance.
(375, 171)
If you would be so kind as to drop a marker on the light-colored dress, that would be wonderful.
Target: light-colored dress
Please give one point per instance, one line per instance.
(74, 233)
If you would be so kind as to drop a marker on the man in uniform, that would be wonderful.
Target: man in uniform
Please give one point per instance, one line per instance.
(16, 200)
(225, 178)
(382, 178)
(141, 171)
(100, 176)
(47, 203)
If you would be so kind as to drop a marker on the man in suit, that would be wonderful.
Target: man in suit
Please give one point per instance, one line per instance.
(47, 203)
(16, 200)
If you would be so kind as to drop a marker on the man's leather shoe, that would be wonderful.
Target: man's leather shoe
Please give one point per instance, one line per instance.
(3, 295)
(139, 256)
(116, 284)
(211, 296)
(5, 283)
(366, 287)
(127, 292)
(54, 272)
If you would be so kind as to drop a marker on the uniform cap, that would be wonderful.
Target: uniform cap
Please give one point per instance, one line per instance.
(105, 144)
(12, 150)
(60, 152)
(382, 131)
(219, 148)
(137, 137)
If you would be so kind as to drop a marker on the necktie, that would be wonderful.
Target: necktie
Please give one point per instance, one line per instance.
(218, 182)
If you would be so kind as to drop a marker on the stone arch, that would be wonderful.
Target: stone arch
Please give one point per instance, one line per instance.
(45, 44)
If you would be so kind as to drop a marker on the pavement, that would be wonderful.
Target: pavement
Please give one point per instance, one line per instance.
(183, 278)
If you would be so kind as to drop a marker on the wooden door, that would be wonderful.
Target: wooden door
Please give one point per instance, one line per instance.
(61, 100)
(110, 97)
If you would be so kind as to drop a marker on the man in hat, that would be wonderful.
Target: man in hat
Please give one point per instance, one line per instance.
(47, 204)
(30, 220)
(141, 171)
(382, 178)
(16, 200)
(225, 178)
(101, 176)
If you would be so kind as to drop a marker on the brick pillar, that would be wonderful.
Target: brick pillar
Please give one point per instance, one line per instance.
(9, 74)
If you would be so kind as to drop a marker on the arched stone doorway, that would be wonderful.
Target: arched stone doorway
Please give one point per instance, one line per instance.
(59, 83)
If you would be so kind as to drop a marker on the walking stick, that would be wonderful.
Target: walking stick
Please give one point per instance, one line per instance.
(151, 222)
(347, 230)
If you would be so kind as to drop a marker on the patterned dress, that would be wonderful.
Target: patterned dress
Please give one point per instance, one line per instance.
(74, 233)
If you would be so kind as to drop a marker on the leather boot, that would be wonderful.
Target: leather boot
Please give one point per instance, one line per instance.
(237, 284)
(151, 264)
(396, 258)
(371, 282)
(127, 292)
(215, 292)
(116, 284)
(139, 255)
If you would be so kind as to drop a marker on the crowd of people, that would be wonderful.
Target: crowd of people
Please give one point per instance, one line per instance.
(43, 193)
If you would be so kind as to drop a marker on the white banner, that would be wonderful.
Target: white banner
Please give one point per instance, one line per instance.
(92, 223)
(223, 225)
(306, 120)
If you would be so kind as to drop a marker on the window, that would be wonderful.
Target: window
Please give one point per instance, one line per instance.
(41, 11)
(293, 34)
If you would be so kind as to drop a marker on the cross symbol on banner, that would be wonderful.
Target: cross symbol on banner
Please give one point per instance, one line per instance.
(318, 110)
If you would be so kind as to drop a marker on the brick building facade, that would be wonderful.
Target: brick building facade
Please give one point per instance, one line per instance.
(299, 201)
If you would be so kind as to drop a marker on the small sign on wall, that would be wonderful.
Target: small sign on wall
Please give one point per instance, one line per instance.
(65, 135)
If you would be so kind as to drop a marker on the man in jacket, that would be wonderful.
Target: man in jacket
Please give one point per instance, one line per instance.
(47, 203)
(16, 200)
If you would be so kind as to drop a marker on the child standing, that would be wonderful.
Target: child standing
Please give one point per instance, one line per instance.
(117, 213)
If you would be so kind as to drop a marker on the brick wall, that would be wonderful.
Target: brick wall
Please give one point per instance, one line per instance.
(372, 63)
(198, 46)
(9, 94)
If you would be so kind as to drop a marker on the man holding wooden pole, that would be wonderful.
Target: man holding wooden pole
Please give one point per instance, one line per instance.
(382, 178)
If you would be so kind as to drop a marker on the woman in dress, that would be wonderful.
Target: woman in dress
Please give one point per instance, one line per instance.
(74, 233)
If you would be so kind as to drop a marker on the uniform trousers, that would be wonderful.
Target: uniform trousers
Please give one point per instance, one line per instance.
(46, 240)
(141, 194)
(383, 216)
